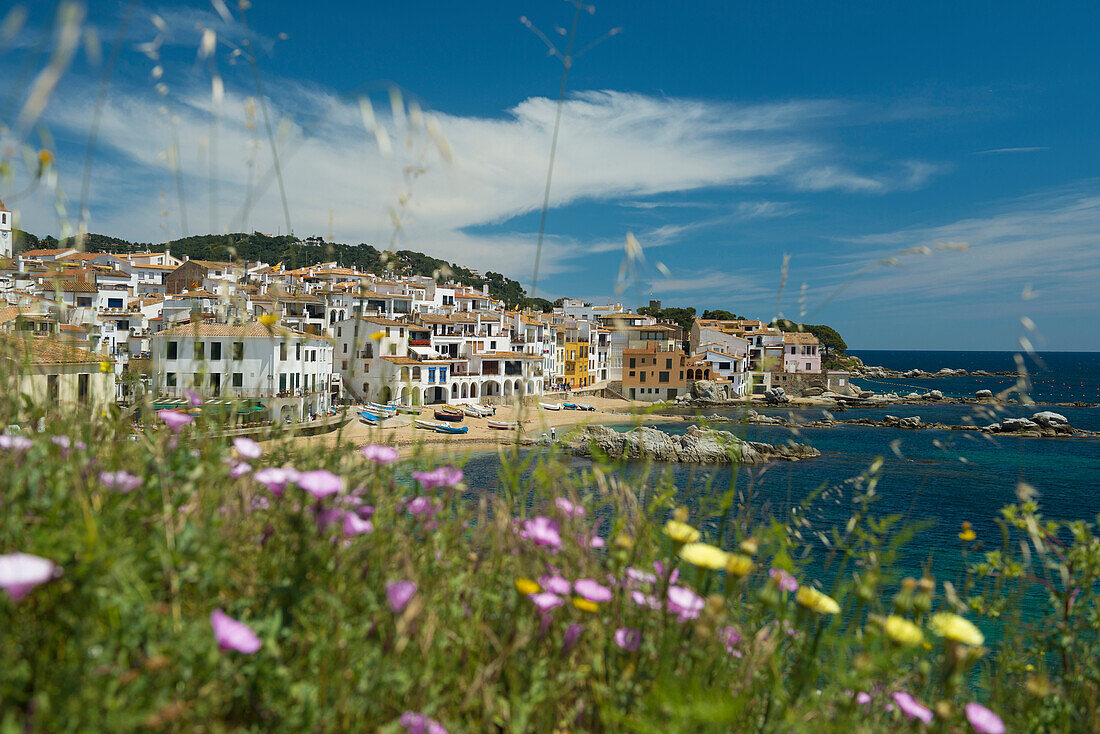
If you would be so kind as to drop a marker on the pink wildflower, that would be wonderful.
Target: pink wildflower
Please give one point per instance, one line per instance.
(123, 481)
(239, 469)
(417, 723)
(275, 479)
(592, 590)
(567, 508)
(444, 476)
(732, 638)
(320, 483)
(233, 635)
(15, 443)
(912, 708)
(379, 454)
(983, 720)
(354, 525)
(628, 638)
(660, 569)
(174, 419)
(546, 602)
(542, 531)
(556, 585)
(398, 595)
(783, 580)
(641, 577)
(572, 634)
(193, 397)
(684, 603)
(422, 507)
(21, 572)
(863, 698)
(645, 600)
(247, 448)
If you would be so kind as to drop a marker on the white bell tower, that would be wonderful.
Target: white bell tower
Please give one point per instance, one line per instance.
(5, 231)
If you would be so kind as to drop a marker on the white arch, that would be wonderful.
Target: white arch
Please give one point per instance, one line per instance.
(465, 390)
(473, 389)
(454, 390)
(416, 397)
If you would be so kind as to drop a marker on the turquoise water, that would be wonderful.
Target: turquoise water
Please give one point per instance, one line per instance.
(942, 477)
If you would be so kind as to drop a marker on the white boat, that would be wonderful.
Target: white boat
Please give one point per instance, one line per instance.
(477, 411)
(388, 410)
(551, 406)
(503, 425)
(424, 424)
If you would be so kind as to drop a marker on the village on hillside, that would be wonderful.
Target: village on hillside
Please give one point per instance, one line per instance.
(108, 328)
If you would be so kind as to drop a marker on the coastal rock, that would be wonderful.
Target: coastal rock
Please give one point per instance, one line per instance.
(933, 395)
(812, 392)
(866, 394)
(984, 395)
(1013, 425)
(706, 391)
(1051, 421)
(776, 395)
(913, 396)
(697, 445)
(912, 421)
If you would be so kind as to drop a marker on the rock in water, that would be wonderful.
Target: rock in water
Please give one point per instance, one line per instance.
(984, 395)
(933, 395)
(1013, 425)
(776, 395)
(706, 391)
(912, 421)
(697, 445)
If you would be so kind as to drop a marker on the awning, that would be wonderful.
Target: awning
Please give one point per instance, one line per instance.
(426, 352)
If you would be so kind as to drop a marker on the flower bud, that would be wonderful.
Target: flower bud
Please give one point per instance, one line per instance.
(749, 546)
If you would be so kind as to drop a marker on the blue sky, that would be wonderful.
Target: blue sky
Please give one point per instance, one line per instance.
(927, 172)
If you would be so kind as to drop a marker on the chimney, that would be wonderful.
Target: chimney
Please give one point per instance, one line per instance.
(485, 289)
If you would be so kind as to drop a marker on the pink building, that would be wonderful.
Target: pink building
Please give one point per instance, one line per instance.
(801, 352)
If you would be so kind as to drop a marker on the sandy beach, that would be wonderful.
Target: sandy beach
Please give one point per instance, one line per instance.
(536, 420)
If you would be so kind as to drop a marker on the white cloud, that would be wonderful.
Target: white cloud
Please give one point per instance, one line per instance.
(613, 146)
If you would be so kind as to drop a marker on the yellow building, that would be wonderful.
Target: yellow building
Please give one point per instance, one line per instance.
(573, 364)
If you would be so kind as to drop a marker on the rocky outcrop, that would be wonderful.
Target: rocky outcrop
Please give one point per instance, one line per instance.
(706, 391)
(884, 373)
(697, 445)
(984, 395)
(776, 396)
(1044, 424)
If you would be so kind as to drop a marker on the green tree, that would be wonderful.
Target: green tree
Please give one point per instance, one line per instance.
(722, 315)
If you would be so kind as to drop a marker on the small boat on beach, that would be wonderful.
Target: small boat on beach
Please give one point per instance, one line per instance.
(371, 419)
(582, 406)
(383, 410)
(410, 409)
(440, 427)
(477, 411)
(503, 425)
(551, 406)
(449, 414)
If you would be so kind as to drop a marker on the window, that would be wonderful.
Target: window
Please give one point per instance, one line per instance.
(662, 377)
(298, 350)
(431, 374)
(53, 392)
(171, 379)
(200, 350)
(668, 364)
(632, 373)
(82, 385)
(809, 366)
(238, 379)
(641, 376)
(493, 345)
(173, 348)
(114, 303)
(215, 351)
(339, 331)
(442, 374)
(215, 383)
(238, 350)
(632, 363)
(345, 347)
(282, 382)
(369, 349)
(723, 365)
(282, 351)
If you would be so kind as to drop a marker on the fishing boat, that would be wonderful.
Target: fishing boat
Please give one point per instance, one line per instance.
(441, 427)
(383, 410)
(476, 411)
(551, 406)
(449, 414)
(410, 409)
(368, 418)
(503, 425)
(569, 406)
(582, 406)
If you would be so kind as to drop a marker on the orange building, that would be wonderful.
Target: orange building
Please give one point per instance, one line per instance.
(654, 373)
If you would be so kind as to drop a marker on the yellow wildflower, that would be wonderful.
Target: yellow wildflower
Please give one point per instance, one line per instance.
(816, 601)
(704, 555)
(269, 319)
(967, 533)
(527, 586)
(738, 565)
(104, 366)
(902, 631)
(45, 158)
(956, 628)
(681, 532)
(377, 335)
(584, 605)
(749, 546)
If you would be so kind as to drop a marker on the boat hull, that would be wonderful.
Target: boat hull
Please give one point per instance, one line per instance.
(443, 415)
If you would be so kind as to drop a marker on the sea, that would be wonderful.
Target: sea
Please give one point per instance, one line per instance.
(937, 478)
